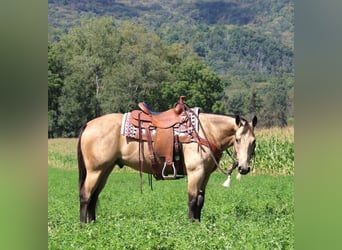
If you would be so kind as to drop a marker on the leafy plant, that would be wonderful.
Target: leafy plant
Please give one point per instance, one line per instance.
(255, 213)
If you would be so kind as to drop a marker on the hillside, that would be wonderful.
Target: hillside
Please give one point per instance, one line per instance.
(244, 37)
(273, 18)
(247, 43)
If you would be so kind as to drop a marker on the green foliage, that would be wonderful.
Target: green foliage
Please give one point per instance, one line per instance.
(225, 33)
(107, 69)
(55, 84)
(275, 156)
(201, 86)
(86, 53)
(145, 51)
(276, 99)
(143, 62)
(254, 213)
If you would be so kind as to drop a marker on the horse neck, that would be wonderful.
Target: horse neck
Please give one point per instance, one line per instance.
(220, 129)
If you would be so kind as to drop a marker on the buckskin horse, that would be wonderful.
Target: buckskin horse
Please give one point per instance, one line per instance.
(102, 144)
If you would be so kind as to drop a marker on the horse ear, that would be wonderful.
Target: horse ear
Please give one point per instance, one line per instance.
(254, 121)
(238, 120)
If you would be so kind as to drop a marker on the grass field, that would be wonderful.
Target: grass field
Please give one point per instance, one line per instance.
(256, 212)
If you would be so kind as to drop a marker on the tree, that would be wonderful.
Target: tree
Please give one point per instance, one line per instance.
(195, 80)
(108, 69)
(143, 62)
(55, 84)
(274, 111)
(88, 52)
(254, 103)
(237, 103)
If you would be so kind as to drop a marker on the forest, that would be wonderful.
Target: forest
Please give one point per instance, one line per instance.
(228, 57)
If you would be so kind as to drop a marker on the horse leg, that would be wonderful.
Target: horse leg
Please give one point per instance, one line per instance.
(83, 206)
(95, 195)
(192, 206)
(200, 203)
(196, 188)
(196, 203)
(195, 195)
(86, 191)
(92, 205)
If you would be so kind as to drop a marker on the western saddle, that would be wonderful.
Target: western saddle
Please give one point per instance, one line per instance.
(164, 144)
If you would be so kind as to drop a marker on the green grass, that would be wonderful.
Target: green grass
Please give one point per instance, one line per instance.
(256, 212)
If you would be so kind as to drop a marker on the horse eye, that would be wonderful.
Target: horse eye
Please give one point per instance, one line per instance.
(237, 140)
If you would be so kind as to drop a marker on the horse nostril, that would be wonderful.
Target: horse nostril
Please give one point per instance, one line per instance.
(244, 170)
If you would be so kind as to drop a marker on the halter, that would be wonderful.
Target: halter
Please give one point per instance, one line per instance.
(235, 164)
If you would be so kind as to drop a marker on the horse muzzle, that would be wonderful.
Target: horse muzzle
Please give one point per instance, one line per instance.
(243, 170)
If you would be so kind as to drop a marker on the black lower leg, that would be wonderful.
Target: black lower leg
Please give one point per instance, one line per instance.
(83, 211)
(199, 205)
(83, 207)
(92, 207)
(195, 206)
(192, 206)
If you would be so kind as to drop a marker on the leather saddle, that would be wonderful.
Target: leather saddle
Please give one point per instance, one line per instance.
(166, 119)
(158, 129)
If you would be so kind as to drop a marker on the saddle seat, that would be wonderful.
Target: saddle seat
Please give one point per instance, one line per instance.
(164, 119)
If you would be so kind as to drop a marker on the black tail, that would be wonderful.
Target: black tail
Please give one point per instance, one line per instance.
(82, 172)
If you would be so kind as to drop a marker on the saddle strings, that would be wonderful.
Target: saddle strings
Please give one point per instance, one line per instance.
(141, 152)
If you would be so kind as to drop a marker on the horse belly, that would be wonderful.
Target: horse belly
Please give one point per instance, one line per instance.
(130, 155)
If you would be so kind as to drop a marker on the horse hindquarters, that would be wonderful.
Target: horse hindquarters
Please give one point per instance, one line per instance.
(88, 199)
(96, 159)
(91, 183)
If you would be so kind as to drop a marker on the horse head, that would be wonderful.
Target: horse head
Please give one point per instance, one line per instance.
(244, 143)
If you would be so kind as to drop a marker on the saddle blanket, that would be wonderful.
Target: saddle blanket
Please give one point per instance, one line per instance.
(183, 129)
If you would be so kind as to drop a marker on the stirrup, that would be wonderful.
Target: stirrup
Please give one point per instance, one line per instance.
(166, 177)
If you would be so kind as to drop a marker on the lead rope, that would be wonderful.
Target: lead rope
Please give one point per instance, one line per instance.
(206, 138)
(235, 163)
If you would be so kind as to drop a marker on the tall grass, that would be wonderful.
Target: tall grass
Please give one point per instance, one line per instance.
(275, 151)
(62, 153)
